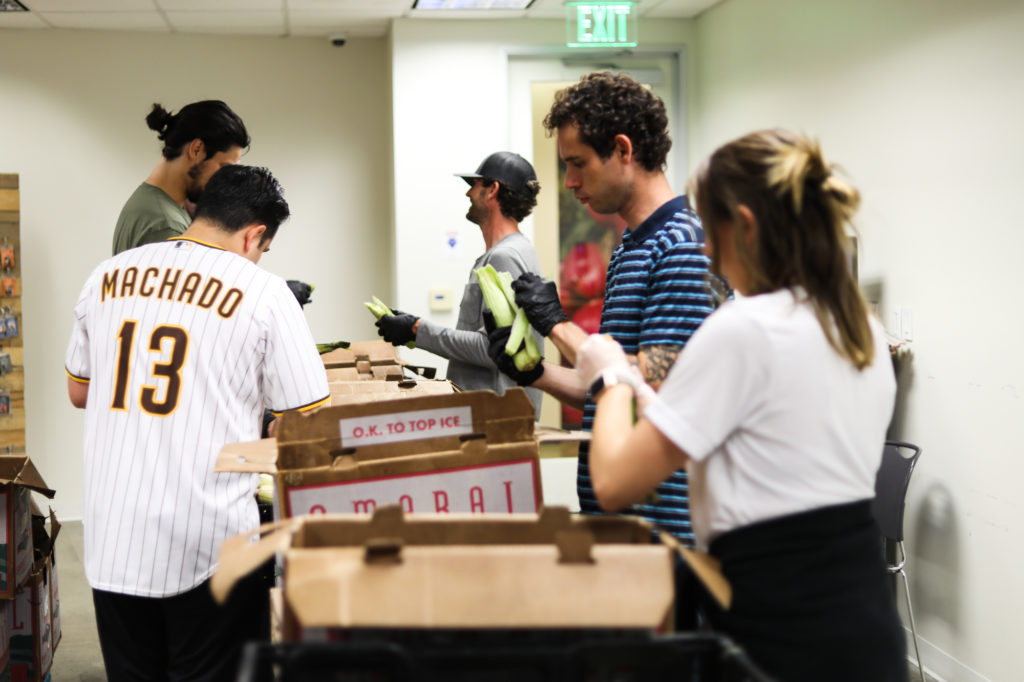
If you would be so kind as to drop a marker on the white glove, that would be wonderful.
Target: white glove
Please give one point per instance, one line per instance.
(598, 353)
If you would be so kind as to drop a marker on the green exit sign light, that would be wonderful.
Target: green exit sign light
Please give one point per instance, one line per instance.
(600, 24)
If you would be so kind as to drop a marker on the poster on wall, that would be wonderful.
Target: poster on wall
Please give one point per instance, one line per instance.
(586, 240)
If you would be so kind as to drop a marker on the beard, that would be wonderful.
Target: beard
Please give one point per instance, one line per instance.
(475, 214)
(194, 191)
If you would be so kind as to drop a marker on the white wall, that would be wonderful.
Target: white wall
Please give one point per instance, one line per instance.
(451, 107)
(72, 106)
(922, 103)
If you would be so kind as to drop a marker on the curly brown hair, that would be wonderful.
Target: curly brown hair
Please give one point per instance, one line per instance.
(604, 105)
(513, 204)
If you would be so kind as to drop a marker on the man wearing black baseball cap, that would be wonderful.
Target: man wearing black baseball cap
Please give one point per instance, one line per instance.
(502, 192)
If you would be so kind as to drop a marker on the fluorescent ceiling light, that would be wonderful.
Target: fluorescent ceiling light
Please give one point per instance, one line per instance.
(471, 4)
(12, 6)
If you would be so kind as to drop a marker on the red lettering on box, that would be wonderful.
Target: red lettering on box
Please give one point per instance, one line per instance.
(440, 501)
(508, 495)
(364, 506)
(406, 503)
(476, 499)
(317, 509)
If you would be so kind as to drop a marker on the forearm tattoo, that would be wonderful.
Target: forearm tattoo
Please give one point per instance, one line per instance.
(656, 361)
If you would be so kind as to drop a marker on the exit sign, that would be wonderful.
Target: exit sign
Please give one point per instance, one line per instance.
(600, 24)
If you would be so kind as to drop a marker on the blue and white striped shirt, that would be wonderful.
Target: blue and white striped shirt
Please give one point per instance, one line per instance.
(656, 295)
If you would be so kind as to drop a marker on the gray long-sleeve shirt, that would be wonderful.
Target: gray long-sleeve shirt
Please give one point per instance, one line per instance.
(465, 347)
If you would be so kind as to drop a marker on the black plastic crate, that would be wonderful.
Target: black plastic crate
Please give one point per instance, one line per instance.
(690, 657)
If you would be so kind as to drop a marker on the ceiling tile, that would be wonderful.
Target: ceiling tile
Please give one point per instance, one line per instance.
(391, 8)
(354, 28)
(674, 9)
(218, 5)
(89, 5)
(114, 21)
(234, 23)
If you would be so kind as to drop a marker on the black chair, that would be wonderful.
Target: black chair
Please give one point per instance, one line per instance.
(890, 494)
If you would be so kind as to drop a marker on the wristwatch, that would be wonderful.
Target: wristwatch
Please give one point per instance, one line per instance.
(611, 377)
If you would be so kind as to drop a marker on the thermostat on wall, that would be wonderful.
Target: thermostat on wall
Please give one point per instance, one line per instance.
(440, 300)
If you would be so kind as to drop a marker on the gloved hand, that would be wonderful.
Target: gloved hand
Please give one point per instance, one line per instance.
(601, 352)
(598, 353)
(301, 291)
(397, 329)
(497, 339)
(538, 297)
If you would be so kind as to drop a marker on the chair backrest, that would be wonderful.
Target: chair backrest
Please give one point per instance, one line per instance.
(891, 487)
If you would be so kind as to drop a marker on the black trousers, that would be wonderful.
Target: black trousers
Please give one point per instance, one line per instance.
(184, 637)
(811, 600)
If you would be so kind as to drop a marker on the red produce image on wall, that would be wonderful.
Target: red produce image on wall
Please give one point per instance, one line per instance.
(585, 243)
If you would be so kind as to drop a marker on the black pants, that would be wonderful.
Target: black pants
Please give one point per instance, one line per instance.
(184, 637)
(810, 599)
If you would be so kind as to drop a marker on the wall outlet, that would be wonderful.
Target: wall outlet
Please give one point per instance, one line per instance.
(440, 300)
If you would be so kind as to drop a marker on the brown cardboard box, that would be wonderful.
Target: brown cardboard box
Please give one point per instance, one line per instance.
(351, 392)
(31, 643)
(44, 542)
(18, 476)
(370, 360)
(464, 452)
(461, 571)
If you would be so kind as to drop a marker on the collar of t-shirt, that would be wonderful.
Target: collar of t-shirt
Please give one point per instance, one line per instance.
(656, 219)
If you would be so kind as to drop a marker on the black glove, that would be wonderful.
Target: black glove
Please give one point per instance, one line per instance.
(301, 291)
(397, 329)
(538, 297)
(497, 339)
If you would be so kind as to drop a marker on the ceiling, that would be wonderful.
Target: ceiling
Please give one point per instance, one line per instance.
(313, 18)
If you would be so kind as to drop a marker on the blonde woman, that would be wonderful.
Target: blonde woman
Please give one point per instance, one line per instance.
(778, 406)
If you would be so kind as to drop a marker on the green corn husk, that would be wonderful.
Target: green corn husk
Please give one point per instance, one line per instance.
(496, 288)
(328, 347)
(379, 310)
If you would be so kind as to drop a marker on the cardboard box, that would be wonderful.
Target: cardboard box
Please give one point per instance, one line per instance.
(44, 541)
(31, 644)
(465, 572)
(351, 392)
(370, 360)
(18, 476)
(464, 452)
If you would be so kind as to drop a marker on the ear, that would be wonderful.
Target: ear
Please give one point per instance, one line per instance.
(254, 237)
(196, 150)
(492, 191)
(623, 147)
(747, 224)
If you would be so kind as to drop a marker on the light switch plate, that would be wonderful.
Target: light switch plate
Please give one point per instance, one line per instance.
(440, 300)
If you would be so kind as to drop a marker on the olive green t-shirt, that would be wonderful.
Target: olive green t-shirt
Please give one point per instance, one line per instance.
(149, 215)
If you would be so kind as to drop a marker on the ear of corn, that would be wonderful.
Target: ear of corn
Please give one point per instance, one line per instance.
(379, 310)
(496, 288)
(328, 347)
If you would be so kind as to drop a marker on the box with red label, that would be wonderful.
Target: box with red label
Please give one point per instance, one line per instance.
(404, 575)
(31, 644)
(18, 476)
(470, 452)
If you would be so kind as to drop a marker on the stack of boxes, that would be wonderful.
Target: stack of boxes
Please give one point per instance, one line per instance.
(29, 600)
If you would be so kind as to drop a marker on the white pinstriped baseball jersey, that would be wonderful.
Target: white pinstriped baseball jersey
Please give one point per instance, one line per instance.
(182, 344)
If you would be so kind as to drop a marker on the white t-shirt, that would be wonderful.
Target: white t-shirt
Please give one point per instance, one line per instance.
(773, 420)
(183, 345)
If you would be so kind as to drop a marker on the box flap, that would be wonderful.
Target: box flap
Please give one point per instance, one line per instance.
(19, 470)
(495, 586)
(258, 457)
(308, 440)
(373, 352)
(355, 391)
(551, 434)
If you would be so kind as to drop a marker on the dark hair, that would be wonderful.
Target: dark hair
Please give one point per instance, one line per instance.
(238, 196)
(513, 204)
(211, 121)
(604, 105)
(802, 210)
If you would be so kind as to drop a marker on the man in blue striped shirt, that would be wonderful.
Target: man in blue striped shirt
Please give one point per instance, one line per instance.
(612, 135)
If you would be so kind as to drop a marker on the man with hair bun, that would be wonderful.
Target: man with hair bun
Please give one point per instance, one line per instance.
(612, 134)
(198, 141)
(502, 192)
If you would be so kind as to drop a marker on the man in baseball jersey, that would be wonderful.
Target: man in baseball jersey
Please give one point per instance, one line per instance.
(176, 348)
(198, 141)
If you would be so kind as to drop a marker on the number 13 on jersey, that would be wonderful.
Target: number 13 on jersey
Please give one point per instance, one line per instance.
(164, 337)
